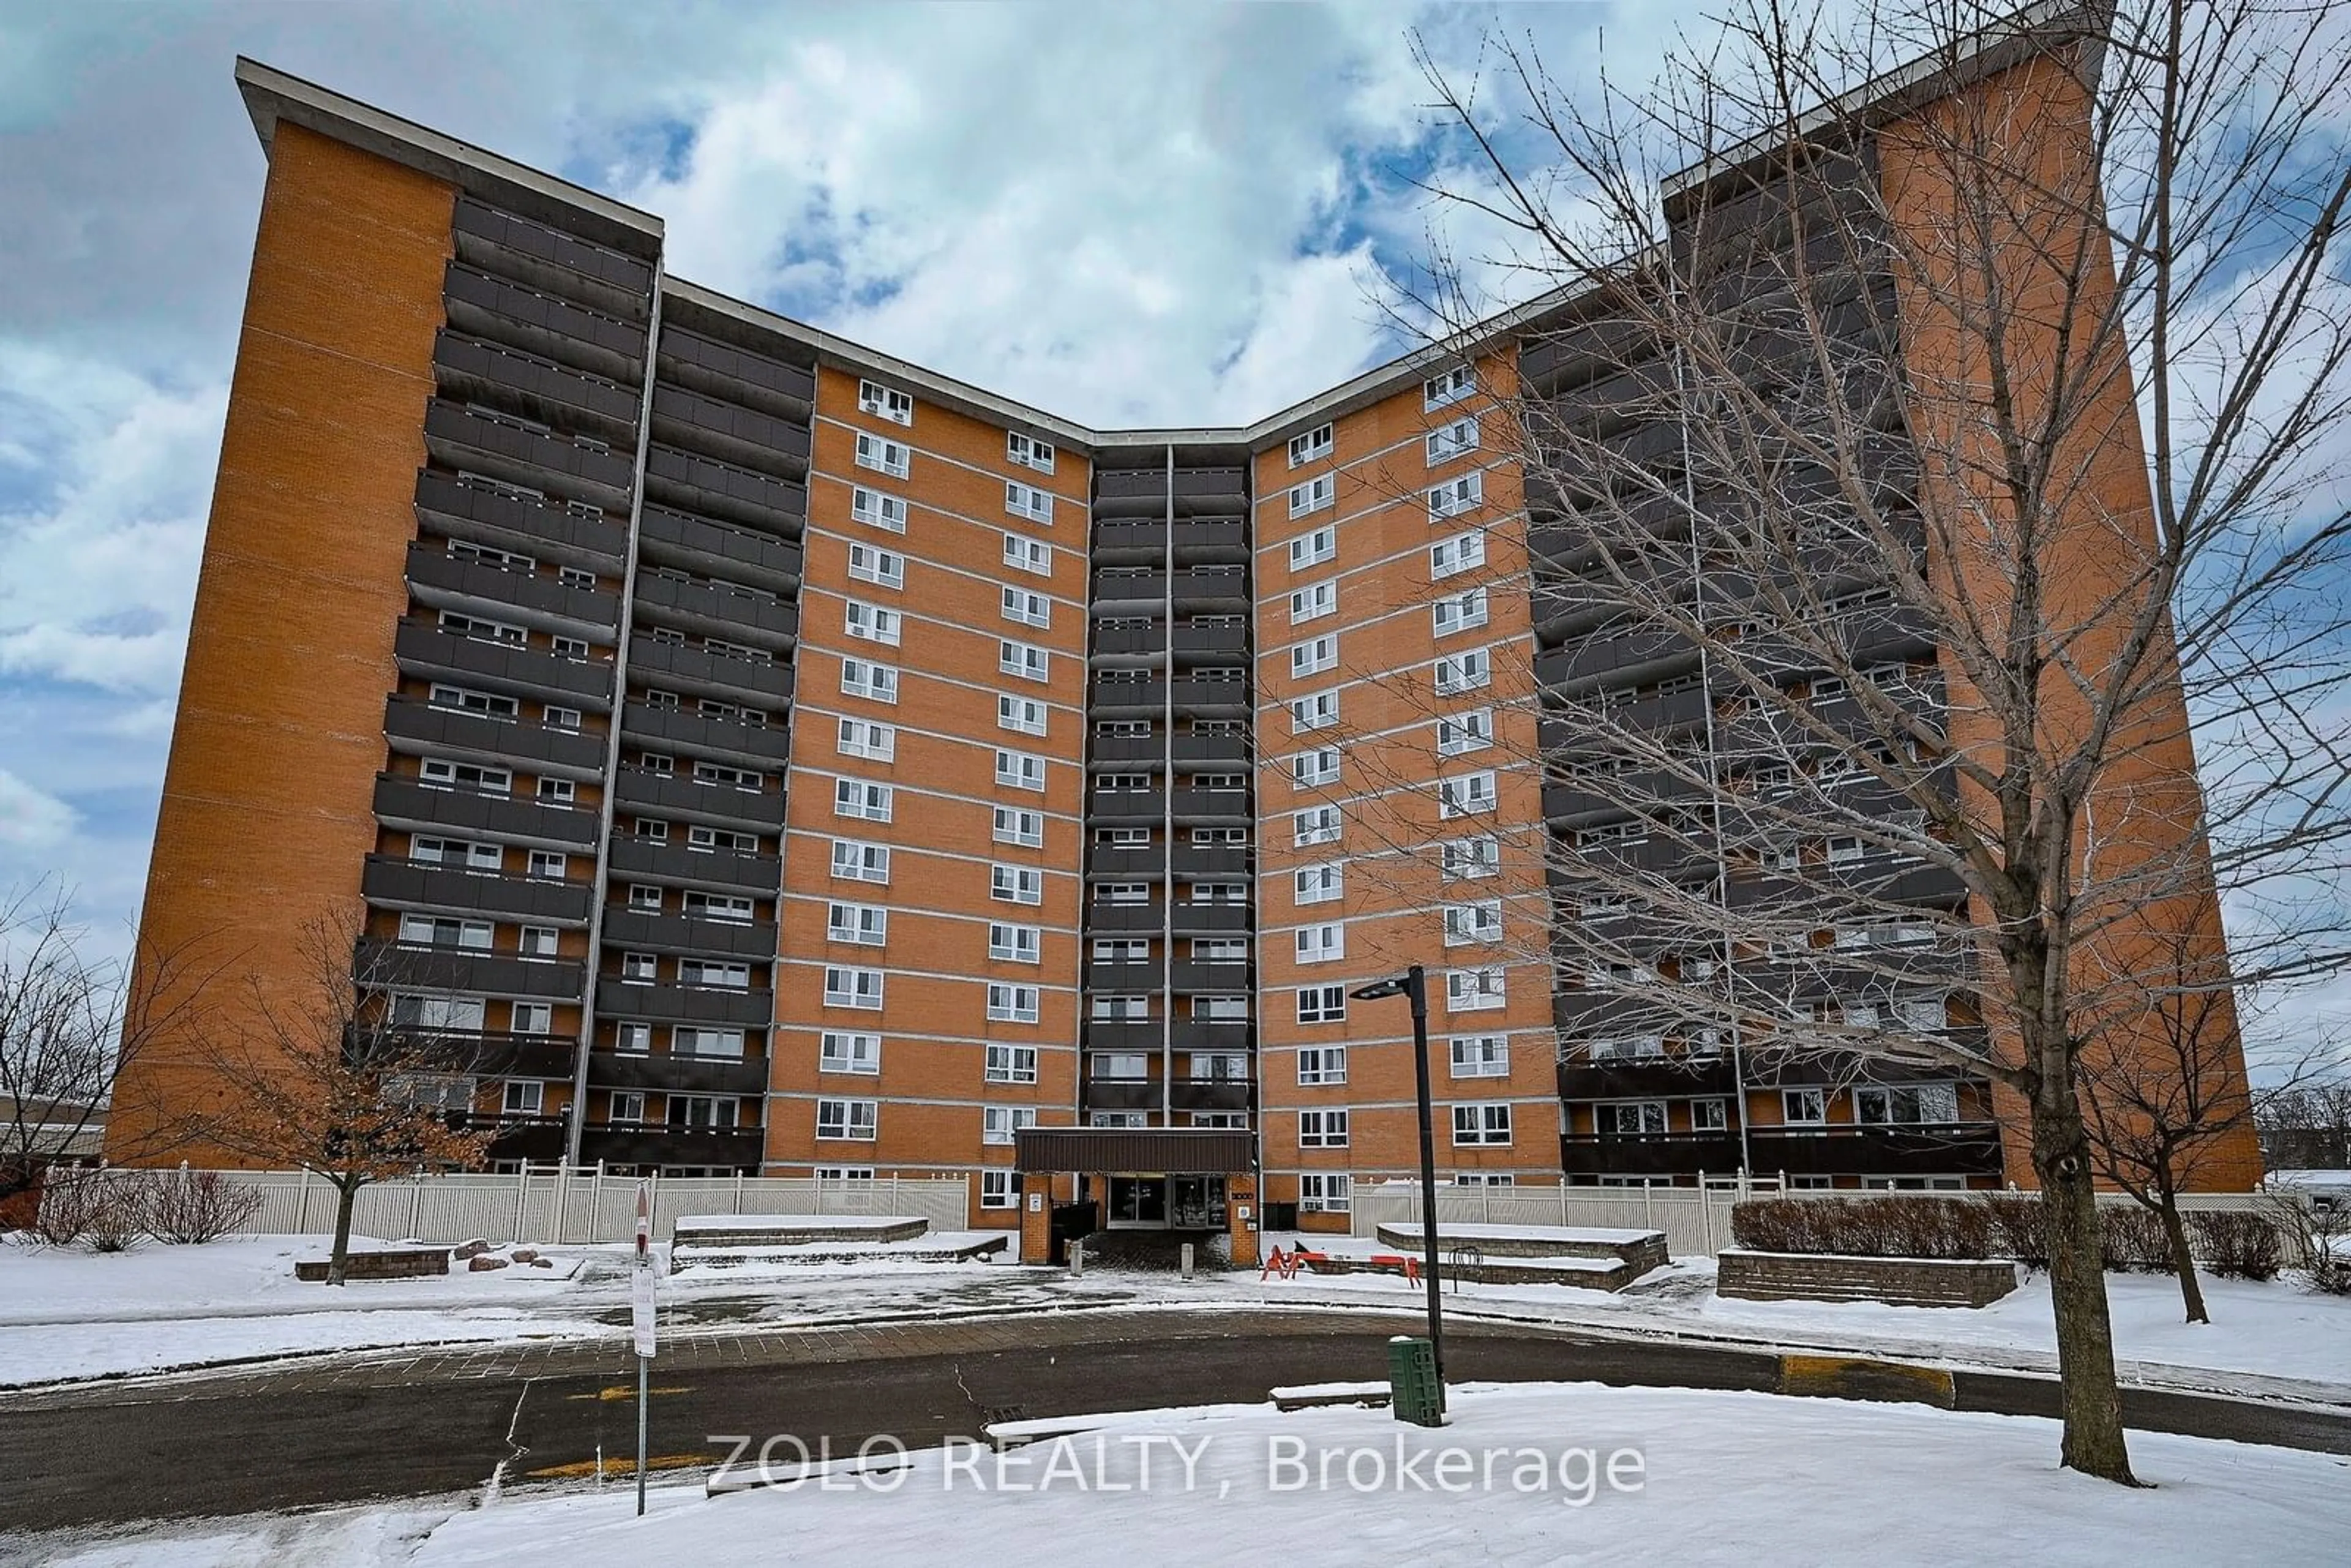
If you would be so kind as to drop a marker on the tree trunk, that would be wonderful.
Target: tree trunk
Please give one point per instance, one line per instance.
(347, 1194)
(2183, 1262)
(2092, 1402)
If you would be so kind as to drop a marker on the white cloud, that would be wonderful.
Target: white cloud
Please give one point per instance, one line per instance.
(29, 818)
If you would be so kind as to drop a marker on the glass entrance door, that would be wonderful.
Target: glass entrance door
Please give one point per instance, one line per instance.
(1198, 1202)
(1138, 1200)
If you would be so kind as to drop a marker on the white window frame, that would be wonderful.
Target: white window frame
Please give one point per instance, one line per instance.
(854, 860)
(1011, 944)
(1019, 825)
(1026, 607)
(1450, 440)
(1309, 444)
(1448, 387)
(875, 510)
(1025, 660)
(1314, 655)
(1317, 769)
(1313, 601)
(1462, 552)
(889, 402)
(1458, 612)
(1020, 771)
(854, 985)
(1480, 989)
(871, 563)
(864, 924)
(1480, 1055)
(1323, 1128)
(1313, 494)
(1022, 716)
(1483, 1124)
(1471, 669)
(863, 800)
(872, 622)
(1028, 451)
(870, 681)
(1316, 825)
(1033, 502)
(1314, 549)
(1010, 1003)
(849, 1050)
(1323, 943)
(863, 737)
(1022, 553)
(1016, 883)
(848, 1121)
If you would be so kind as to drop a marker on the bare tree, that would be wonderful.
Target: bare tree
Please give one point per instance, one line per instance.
(330, 1078)
(1917, 482)
(69, 1023)
(2308, 1122)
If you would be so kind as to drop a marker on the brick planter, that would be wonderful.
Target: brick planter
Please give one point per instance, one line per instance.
(392, 1263)
(1898, 1282)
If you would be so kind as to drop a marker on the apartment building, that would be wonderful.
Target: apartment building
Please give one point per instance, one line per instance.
(769, 756)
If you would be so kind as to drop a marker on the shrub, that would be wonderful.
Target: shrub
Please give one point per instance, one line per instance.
(191, 1207)
(2132, 1238)
(119, 1209)
(1906, 1227)
(2238, 1244)
(69, 1193)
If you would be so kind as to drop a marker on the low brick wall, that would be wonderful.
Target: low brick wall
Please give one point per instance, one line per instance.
(1900, 1282)
(391, 1263)
(1641, 1250)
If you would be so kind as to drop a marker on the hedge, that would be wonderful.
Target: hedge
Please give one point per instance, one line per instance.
(1997, 1224)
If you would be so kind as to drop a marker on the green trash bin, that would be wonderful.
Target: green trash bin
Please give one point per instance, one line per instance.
(1413, 1394)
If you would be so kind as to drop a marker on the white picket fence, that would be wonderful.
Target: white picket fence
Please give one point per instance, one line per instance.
(580, 1204)
(1696, 1223)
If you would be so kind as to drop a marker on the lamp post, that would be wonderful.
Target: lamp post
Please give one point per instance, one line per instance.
(1413, 984)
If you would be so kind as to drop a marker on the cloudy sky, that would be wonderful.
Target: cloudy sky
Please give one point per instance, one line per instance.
(1129, 215)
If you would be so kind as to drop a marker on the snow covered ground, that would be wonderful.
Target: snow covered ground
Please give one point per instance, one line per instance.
(1545, 1473)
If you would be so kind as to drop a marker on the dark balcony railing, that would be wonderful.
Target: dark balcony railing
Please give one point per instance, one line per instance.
(1628, 655)
(400, 883)
(684, 1074)
(1661, 1154)
(667, 1003)
(464, 439)
(607, 270)
(411, 805)
(401, 965)
(1200, 975)
(1211, 919)
(1622, 1078)
(650, 859)
(1128, 749)
(1149, 860)
(1128, 917)
(1966, 1149)
(653, 1143)
(667, 728)
(1211, 805)
(468, 368)
(486, 1053)
(755, 683)
(449, 582)
(643, 931)
(515, 313)
(425, 650)
(530, 525)
(1209, 1094)
(1216, 860)
(676, 795)
(1201, 1034)
(537, 1139)
(683, 417)
(760, 558)
(1126, 805)
(1191, 696)
(709, 365)
(1122, 1095)
(1219, 753)
(422, 726)
(731, 610)
(720, 489)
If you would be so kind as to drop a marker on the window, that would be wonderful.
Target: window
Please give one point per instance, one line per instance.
(1459, 611)
(1321, 1129)
(1449, 558)
(865, 923)
(726, 976)
(1312, 550)
(1631, 1118)
(1315, 825)
(627, 1106)
(1011, 1004)
(1449, 440)
(1028, 608)
(440, 773)
(872, 507)
(460, 1014)
(1034, 555)
(455, 851)
(1015, 944)
(892, 404)
(1464, 672)
(1451, 387)
(1481, 1056)
(1845, 851)
(1318, 884)
(1478, 922)
(1313, 601)
(1316, 767)
(1020, 771)
(1456, 497)
(1474, 857)
(849, 1119)
(863, 737)
(1011, 1064)
(1120, 1009)
(1481, 1125)
(445, 933)
(469, 701)
(1803, 1107)
(633, 1038)
(481, 631)
(855, 861)
(845, 1173)
(1026, 714)
(864, 678)
(562, 792)
(567, 647)
(841, 1051)
(1710, 1116)
(1025, 660)
(1471, 731)
(890, 457)
(1122, 950)
(1314, 655)
(1319, 711)
(1313, 496)
(718, 1043)
(1931, 1104)
(997, 1123)
(1322, 944)
(1027, 501)
(871, 563)
(733, 907)
(1016, 885)
(524, 1097)
(707, 840)
(872, 622)
(1019, 825)
(1322, 1192)
(1322, 1065)
(850, 987)
(548, 864)
(1028, 451)
(1473, 990)
(1925, 1014)
(1311, 444)
(564, 718)
(1466, 796)
(996, 1185)
(533, 942)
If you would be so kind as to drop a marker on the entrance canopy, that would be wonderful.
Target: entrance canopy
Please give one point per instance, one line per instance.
(1159, 1151)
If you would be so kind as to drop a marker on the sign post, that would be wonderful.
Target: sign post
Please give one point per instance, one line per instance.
(641, 1322)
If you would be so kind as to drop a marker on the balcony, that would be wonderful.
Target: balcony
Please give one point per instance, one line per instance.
(726, 609)
(1964, 1148)
(447, 581)
(1107, 919)
(487, 1053)
(415, 727)
(1224, 643)
(550, 530)
(416, 884)
(1131, 699)
(1122, 1095)
(563, 262)
(734, 739)
(1205, 1034)
(515, 313)
(1585, 1077)
(1210, 698)
(1115, 864)
(405, 964)
(1124, 1034)
(467, 369)
(1126, 806)
(1213, 753)
(1570, 803)
(1660, 1155)
(721, 550)
(412, 806)
(508, 449)
(676, 795)
(1201, 974)
(653, 1144)
(1209, 1094)
(425, 650)
(1147, 543)
(1122, 978)
(704, 484)
(1667, 713)
(1212, 919)
(1624, 657)
(665, 1003)
(648, 859)
(684, 1074)
(707, 365)
(1217, 860)
(1128, 750)
(1124, 643)
(537, 1139)
(727, 430)
(701, 672)
(1210, 806)
(642, 931)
